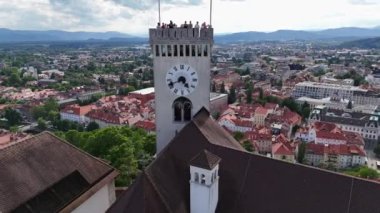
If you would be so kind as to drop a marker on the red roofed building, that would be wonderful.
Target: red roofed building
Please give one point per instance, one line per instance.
(340, 156)
(281, 151)
(7, 138)
(262, 141)
(354, 139)
(324, 137)
(144, 95)
(271, 107)
(261, 114)
(75, 113)
(149, 126)
(234, 124)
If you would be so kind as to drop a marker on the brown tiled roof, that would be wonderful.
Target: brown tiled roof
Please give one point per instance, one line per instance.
(205, 160)
(247, 183)
(31, 166)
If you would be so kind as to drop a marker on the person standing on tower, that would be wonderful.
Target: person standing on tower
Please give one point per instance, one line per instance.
(171, 25)
(190, 25)
(196, 25)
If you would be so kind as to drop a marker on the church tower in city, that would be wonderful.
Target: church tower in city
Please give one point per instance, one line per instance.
(181, 64)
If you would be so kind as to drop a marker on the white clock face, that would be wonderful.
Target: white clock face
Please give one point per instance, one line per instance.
(182, 79)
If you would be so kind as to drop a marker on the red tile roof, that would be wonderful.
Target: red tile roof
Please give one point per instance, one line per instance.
(77, 110)
(330, 135)
(147, 125)
(342, 149)
(281, 149)
(261, 111)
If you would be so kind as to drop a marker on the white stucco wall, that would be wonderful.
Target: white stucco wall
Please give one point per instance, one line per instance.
(166, 128)
(100, 201)
(204, 196)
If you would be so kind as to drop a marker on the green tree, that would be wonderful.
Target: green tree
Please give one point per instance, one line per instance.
(213, 87)
(51, 105)
(369, 173)
(232, 95)
(248, 93)
(14, 79)
(291, 104)
(261, 93)
(363, 172)
(377, 150)
(126, 90)
(222, 88)
(305, 110)
(238, 136)
(48, 111)
(349, 105)
(294, 129)
(301, 152)
(41, 124)
(248, 146)
(129, 150)
(38, 112)
(14, 129)
(216, 115)
(12, 116)
(92, 126)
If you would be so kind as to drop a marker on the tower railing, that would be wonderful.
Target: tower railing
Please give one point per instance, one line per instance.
(173, 35)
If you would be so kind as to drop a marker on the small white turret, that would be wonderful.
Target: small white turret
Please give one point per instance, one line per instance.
(204, 182)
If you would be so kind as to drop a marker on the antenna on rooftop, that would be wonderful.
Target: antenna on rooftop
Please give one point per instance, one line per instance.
(159, 11)
(211, 13)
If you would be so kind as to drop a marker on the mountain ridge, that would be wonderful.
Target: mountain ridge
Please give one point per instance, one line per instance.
(342, 34)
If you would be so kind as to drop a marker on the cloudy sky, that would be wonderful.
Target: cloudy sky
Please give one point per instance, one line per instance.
(135, 16)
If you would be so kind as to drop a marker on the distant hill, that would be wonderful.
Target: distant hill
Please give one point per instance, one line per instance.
(7, 35)
(369, 43)
(338, 34)
(342, 34)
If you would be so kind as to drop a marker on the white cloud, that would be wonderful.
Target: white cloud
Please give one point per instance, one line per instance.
(135, 16)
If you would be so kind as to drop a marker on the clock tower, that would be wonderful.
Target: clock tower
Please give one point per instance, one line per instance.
(181, 64)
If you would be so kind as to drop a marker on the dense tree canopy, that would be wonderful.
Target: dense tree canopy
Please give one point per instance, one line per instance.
(377, 150)
(363, 172)
(127, 149)
(232, 95)
(48, 111)
(92, 126)
(12, 116)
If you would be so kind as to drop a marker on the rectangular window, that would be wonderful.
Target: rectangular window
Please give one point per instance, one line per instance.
(157, 50)
(192, 50)
(199, 49)
(163, 50)
(175, 51)
(181, 50)
(169, 50)
(187, 50)
(205, 50)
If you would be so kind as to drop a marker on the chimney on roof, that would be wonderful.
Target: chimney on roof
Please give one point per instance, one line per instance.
(204, 182)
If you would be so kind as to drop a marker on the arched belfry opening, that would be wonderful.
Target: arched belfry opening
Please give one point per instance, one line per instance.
(182, 109)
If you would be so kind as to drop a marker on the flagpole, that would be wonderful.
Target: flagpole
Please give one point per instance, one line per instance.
(210, 12)
(159, 11)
